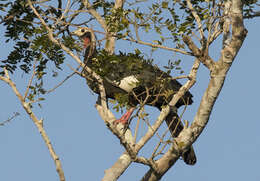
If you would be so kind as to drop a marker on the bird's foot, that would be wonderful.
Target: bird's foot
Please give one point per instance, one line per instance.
(124, 119)
(121, 120)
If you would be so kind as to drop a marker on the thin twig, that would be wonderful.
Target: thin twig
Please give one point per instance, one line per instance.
(62, 82)
(158, 46)
(9, 119)
(30, 81)
(64, 13)
(197, 18)
(136, 129)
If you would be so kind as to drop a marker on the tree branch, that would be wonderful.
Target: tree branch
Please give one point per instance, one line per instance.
(30, 81)
(64, 13)
(173, 154)
(158, 46)
(38, 123)
(126, 138)
(200, 54)
(227, 23)
(218, 74)
(9, 119)
(110, 36)
(253, 15)
(95, 14)
(125, 160)
(198, 20)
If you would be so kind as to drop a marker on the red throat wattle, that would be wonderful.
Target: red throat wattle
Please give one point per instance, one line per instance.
(86, 41)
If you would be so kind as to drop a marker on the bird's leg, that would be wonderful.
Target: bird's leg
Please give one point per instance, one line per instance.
(124, 119)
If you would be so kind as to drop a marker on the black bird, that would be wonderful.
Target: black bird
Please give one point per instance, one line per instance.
(133, 80)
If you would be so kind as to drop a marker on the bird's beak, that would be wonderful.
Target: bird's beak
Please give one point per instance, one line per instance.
(74, 33)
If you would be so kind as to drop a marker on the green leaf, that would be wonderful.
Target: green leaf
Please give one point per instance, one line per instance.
(165, 4)
(137, 51)
(41, 99)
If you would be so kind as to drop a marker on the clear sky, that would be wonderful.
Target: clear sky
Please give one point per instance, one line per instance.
(228, 149)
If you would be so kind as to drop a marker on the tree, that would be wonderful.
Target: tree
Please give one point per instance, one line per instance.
(41, 32)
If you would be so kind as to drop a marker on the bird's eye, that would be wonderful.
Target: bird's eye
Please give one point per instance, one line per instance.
(82, 30)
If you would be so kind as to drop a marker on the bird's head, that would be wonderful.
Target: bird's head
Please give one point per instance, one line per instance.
(86, 35)
(89, 40)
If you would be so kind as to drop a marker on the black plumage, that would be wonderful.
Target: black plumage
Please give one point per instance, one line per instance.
(132, 80)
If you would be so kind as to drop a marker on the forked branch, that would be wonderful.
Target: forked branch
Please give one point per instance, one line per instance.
(38, 123)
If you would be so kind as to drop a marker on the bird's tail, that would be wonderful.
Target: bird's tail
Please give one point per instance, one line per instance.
(175, 127)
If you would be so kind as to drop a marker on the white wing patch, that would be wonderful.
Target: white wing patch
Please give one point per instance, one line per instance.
(128, 83)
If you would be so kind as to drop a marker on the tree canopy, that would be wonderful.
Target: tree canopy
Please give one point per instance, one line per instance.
(185, 32)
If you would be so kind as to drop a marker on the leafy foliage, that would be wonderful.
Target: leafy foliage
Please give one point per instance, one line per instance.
(31, 41)
(169, 20)
(104, 64)
(121, 101)
(249, 7)
(113, 67)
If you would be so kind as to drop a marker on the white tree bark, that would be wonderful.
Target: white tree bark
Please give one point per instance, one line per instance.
(218, 72)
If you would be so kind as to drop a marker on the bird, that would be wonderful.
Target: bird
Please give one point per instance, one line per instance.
(132, 80)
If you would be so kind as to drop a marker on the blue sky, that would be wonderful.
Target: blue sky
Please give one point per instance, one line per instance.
(228, 149)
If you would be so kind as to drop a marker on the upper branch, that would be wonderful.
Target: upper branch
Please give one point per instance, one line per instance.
(119, 4)
(158, 46)
(202, 55)
(64, 13)
(96, 15)
(110, 36)
(239, 33)
(218, 75)
(197, 18)
(226, 24)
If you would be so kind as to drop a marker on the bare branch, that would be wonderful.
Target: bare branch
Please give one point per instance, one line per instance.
(9, 119)
(110, 36)
(62, 82)
(215, 34)
(95, 14)
(172, 155)
(252, 15)
(30, 81)
(38, 124)
(227, 24)
(158, 46)
(197, 18)
(111, 39)
(119, 4)
(64, 13)
(218, 74)
(137, 126)
(148, 162)
(152, 129)
(200, 54)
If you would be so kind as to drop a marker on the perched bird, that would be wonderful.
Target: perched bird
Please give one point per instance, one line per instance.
(131, 79)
